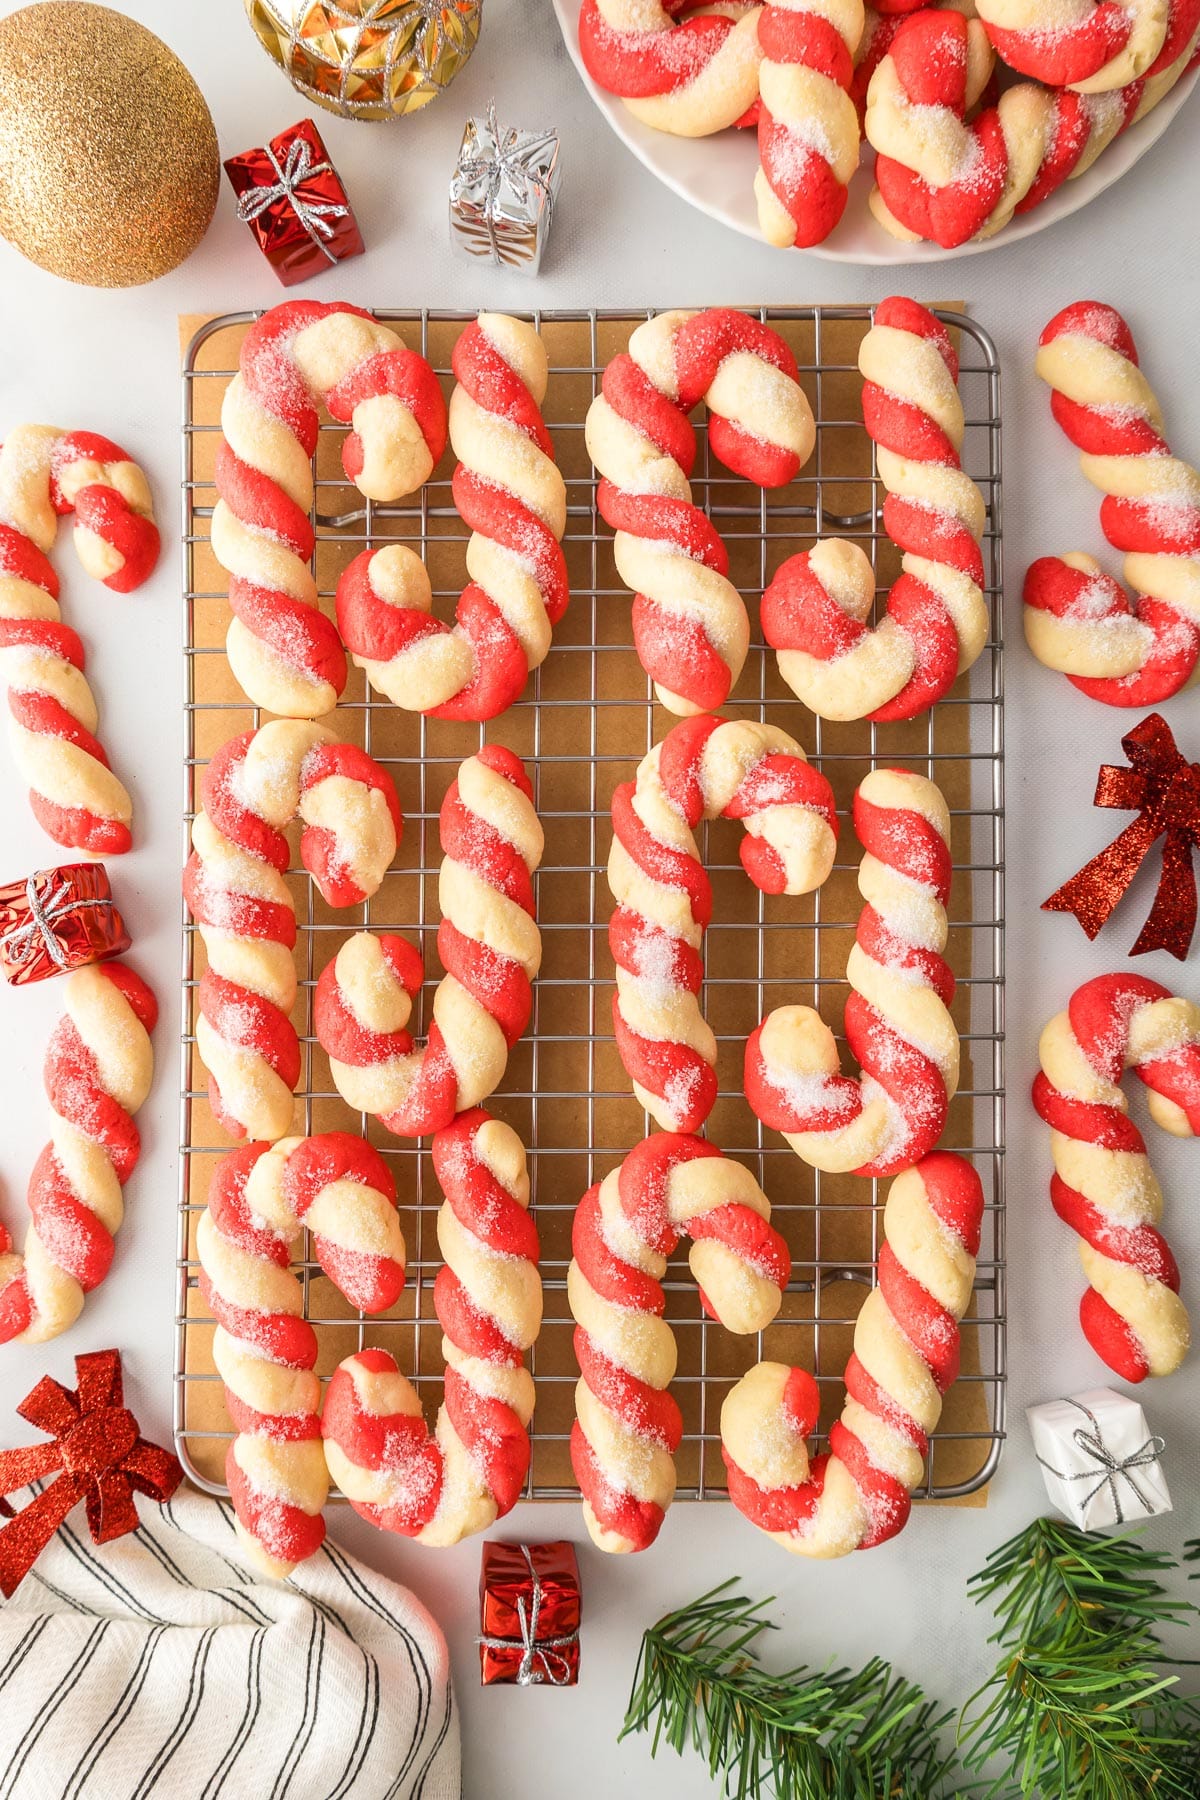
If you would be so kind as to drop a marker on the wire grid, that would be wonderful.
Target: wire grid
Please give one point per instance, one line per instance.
(586, 718)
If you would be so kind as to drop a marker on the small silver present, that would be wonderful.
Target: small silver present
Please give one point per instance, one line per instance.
(502, 193)
(1100, 1463)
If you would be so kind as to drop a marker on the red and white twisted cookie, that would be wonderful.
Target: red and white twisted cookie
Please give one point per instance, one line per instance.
(703, 769)
(1103, 1186)
(1089, 45)
(949, 176)
(689, 623)
(627, 1426)
(1077, 619)
(261, 1198)
(443, 1487)
(906, 1355)
(880, 27)
(816, 611)
(808, 126)
(689, 75)
(97, 1072)
(283, 650)
(45, 473)
(897, 1019)
(253, 789)
(490, 948)
(509, 490)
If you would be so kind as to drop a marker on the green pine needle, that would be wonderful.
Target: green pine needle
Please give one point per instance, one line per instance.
(800, 1735)
(1080, 1707)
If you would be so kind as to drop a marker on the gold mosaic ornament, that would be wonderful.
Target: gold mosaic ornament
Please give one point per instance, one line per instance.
(368, 59)
(109, 166)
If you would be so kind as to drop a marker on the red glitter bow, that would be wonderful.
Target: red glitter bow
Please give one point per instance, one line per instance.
(101, 1458)
(1164, 790)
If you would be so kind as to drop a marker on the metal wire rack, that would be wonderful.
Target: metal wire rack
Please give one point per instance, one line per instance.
(587, 717)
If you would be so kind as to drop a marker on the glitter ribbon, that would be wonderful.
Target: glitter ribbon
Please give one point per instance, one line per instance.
(1092, 1444)
(42, 916)
(96, 1455)
(298, 168)
(554, 1667)
(1164, 789)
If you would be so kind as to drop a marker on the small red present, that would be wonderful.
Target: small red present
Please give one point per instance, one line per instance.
(292, 198)
(529, 1604)
(58, 920)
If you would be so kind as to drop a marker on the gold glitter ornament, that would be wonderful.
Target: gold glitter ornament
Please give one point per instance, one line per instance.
(368, 59)
(109, 166)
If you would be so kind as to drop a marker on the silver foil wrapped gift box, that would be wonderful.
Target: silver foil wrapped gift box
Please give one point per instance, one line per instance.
(502, 193)
(1101, 1464)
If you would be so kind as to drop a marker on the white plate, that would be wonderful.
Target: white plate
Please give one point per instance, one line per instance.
(716, 175)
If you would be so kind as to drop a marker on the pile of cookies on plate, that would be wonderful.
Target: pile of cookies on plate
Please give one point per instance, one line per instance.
(977, 111)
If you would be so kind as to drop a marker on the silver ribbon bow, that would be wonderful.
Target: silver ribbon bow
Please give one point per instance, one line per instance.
(43, 913)
(298, 168)
(554, 1668)
(507, 178)
(1092, 1444)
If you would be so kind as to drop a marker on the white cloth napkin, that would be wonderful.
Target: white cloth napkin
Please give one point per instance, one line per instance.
(163, 1665)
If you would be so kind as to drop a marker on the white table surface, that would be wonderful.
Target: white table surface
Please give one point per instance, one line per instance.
(109, 361)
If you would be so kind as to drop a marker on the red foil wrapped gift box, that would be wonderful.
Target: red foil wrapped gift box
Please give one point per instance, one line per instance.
(57, 920)
(292, 198)
(529, 1605)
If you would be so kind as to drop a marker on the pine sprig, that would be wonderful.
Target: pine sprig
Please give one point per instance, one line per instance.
(1080, 1704)
(801, 1735)
(1051, 1575)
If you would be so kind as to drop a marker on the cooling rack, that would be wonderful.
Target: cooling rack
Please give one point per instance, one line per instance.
(585, 720)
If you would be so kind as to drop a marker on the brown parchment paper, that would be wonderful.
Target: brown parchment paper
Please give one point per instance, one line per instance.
(583, 725)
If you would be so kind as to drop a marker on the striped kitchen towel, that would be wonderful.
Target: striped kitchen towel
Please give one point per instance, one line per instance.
(163, 1665)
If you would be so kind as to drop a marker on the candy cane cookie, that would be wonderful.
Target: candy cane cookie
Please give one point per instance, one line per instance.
(689, 623)
(905, 1357)
(1103, 1186)
(880, 28)
(44, 474)
(252, 790)
(1078, 619)
(260, 1199)
(1089, 45)
(443, 1487)
(689, 76)
(808, 126)
(703, 769)
(627, 1425)
(816, 610)
(897, 1018)
(97, 1073)
(508, 489)
(285, 653)
(490, 948)
(948, 174)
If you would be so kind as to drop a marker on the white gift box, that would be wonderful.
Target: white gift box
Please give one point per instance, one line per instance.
(1100, 1463)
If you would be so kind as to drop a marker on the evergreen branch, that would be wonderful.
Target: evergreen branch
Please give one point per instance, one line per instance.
(1079, 1704)
(1082, 1705)
(800, 1735)
(1051, 1575)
